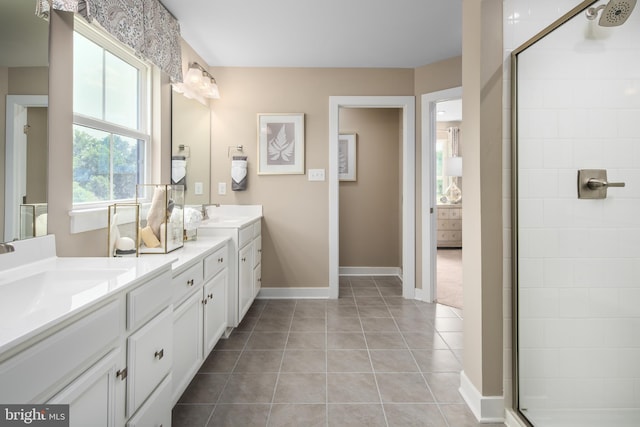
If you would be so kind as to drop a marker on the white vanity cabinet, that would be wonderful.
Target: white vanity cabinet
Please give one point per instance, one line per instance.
(200, 313)
(244, 267)
(105, 362)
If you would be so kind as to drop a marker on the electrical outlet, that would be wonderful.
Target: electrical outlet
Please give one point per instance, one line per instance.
(316, 174)
(222, 188)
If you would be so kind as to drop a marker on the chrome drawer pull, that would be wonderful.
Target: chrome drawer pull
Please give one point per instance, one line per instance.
(210, 296)
(122, 374)
(159, 354)
(220, 259)
(190, 282)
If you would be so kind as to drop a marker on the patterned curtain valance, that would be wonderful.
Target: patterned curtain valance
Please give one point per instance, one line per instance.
(144, 25)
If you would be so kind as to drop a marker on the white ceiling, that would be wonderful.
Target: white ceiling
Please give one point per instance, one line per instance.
(449, 111)
(328, 33)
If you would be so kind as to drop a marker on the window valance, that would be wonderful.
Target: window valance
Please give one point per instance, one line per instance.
(144, 25)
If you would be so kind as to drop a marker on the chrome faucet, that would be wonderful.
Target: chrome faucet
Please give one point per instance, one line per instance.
(6, 248)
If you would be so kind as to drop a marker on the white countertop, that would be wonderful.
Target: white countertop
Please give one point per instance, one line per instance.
(36, 295)
(41, 294)
(231, 216)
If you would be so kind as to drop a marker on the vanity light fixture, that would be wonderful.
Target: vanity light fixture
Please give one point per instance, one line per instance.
(198, 84)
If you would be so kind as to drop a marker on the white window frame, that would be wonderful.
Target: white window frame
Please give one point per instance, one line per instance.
(93, 216)
(144, 133)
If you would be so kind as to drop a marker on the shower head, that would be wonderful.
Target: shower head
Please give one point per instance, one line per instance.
(614, 13)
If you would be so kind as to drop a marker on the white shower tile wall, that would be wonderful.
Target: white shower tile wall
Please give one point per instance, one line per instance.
(579, 108)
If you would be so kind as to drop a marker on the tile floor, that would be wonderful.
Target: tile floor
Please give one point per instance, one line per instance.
(370, 358)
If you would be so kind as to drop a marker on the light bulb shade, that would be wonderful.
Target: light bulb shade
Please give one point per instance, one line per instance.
(213, 91)
(194, 77)
(452, 166)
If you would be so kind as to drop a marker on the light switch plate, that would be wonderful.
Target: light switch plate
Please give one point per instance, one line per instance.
(198, 188)
(222, 188)
(316, 174)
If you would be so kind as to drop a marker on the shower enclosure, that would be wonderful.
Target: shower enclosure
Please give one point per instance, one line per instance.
(576, 140)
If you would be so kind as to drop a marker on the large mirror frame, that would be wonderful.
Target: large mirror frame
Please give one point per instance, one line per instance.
(24, 58)
(191, 140)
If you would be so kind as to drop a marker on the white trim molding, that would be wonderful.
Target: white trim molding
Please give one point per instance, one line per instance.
(487, 409)
(371, 271)
(512, 420)
(429, 102)
(294, 293)
(408, 106)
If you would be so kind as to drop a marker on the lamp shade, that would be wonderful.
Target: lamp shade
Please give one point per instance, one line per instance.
(452, 166)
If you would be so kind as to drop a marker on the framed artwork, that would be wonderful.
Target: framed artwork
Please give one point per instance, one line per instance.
(280, 144)
(347, 157)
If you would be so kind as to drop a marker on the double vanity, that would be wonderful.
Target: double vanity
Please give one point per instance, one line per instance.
(119, 339)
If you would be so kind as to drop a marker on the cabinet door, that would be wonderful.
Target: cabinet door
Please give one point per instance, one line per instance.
(257, 250)
(187, 343)
(257, 279)
(215, 310)
(245, 280)
(94, 398)
(156, 411)
(149, 358)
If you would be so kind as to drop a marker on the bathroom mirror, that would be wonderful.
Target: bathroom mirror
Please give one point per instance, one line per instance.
(191, 147)
(24, 71)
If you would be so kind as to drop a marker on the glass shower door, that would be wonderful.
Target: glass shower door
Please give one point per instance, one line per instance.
(577, 259)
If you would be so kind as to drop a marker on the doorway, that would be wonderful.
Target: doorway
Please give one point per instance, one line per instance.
(16, 159)
(407, 105)
(441, 213)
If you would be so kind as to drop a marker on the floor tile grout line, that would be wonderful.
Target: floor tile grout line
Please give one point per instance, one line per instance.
(275, 386)
(373, 371)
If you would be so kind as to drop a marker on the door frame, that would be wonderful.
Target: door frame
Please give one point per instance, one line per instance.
(407, 105)
(428, 212)
(15, 158)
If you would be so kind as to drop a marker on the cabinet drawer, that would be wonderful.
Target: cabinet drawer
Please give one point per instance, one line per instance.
(215, 262)
(455, 213)
(246, 235)
(149, 358)
(146, 300)
(157, 410)
(449, 236)
(449, 224)
(187, 281)
(443, 213)
(57, 357)
(257, 228)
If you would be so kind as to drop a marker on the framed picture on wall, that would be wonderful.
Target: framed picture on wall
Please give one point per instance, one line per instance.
(347, 157)
(280, 144)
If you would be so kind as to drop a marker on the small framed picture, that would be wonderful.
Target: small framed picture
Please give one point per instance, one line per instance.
(280, 144)
(347, 157)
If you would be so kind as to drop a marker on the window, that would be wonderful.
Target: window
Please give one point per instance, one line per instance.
(110, 120)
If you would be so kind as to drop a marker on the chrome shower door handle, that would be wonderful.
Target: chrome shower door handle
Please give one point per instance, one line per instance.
(593, 184)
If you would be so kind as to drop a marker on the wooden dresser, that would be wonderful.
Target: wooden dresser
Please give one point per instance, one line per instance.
(449, 226)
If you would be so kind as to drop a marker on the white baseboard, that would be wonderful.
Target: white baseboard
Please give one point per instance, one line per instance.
(487, 409)
(370, 271)
(421, 295)
(512, 420)
(293, 293)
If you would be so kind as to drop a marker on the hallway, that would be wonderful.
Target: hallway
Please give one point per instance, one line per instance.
(370, 358)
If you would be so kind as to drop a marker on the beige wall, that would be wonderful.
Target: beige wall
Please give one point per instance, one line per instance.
(295, 228)
(4, 89)
(482, 207)
(370, 207)
(37, 155)
(434, 77)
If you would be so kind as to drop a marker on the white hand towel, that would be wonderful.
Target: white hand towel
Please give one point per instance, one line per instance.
(239, 173)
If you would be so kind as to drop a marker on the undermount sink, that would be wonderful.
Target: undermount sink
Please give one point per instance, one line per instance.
(52, 287)
(230, 219)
